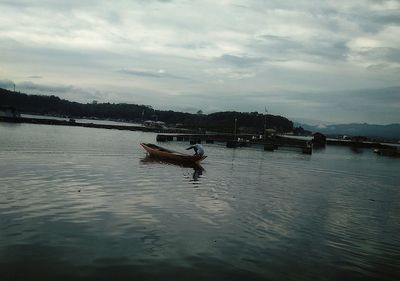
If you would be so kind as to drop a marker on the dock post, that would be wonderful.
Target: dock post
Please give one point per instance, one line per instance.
(161, 138)
(307, 149)
(269, 147)
(232, 144)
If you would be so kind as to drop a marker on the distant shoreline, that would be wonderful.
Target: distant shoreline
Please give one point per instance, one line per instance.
(48, 121)
(72, 122)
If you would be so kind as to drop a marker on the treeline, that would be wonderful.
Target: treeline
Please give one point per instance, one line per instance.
(220, 121)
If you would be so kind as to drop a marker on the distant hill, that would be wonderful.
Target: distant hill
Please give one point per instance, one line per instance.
(219, 121)
(391, 131)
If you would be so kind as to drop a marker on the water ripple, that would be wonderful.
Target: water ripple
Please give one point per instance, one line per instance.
(83, 201)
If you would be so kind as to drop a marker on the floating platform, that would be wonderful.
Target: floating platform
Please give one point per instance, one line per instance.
(270, 144)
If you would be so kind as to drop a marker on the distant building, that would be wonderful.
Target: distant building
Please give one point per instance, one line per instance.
(359, 138)
(319, 139)
(270, 132)
(154, 124)
(9, 111)
(299, 131)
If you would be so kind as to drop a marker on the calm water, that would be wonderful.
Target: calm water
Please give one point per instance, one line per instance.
(84, 203)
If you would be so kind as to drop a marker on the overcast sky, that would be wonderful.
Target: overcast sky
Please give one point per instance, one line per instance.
(336, 61)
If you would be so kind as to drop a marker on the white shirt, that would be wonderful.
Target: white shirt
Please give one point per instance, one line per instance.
(199, 149)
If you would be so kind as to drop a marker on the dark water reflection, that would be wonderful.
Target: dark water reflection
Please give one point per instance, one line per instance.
(85, 204)
(197, 167)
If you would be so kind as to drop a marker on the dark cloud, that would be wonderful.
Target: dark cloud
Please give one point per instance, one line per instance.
(240, 61)
(336, 50)
(382, 53)
(375, 21)
(386, 17)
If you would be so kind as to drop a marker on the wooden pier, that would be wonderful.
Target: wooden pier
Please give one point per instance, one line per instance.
(232, 141)
(270, 144)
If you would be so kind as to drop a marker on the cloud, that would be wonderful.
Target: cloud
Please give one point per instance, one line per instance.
(239, 61)
(375, 20)
(284, 48)
(150, 73)
(229, 73)
(279, 42)
(384, 67)
(6, 84)
(298, 55)
(69, 92)
(382, 54)
(362, 105)
(30, 86)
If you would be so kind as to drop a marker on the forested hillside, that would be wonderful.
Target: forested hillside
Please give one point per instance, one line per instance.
(220, 121)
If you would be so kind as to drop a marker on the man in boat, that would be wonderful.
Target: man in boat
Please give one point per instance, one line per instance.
(198, 149)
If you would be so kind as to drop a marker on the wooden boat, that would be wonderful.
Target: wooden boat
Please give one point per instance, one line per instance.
(163, 153)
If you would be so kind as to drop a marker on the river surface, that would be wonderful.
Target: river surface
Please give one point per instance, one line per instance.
(86, 204)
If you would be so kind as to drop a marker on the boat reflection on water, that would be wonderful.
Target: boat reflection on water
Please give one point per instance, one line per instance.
(197, 168)
(197, 172)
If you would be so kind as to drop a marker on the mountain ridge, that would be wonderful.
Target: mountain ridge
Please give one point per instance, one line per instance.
(389, 131)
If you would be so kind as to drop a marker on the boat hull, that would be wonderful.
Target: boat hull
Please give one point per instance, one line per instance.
(162, 153)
